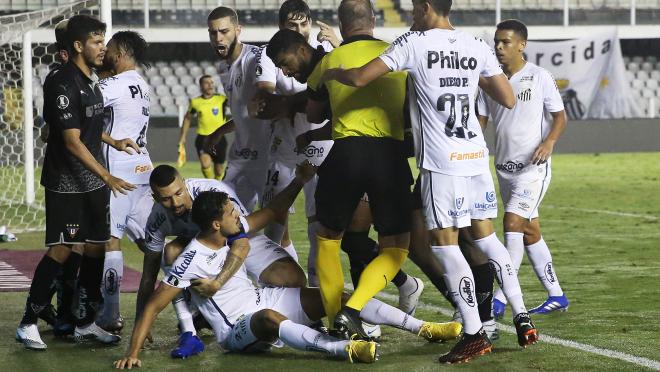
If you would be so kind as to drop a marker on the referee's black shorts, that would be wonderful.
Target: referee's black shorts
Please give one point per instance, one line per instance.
(220, 149)
(377, 166)
(78, 218)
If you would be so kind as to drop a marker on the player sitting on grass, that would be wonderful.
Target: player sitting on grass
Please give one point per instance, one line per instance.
(250, 319)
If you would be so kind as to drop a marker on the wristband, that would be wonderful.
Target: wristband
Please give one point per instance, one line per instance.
(232, 238)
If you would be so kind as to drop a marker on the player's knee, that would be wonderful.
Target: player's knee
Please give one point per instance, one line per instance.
(94, 250)
(266, 323)
(284, 272)
(531, 237)
(514, 223)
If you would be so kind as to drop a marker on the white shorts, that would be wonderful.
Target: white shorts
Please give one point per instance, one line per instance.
(278, 177)
(456, 200)
(263, 252)
(129, 212)
(285, 301)
(522, 196)
(247, 182)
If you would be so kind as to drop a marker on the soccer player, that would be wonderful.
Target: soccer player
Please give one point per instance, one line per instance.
(248, 156)
(445, 67)
(126, 101)
(212, 113)
(267, 262)
(77, 185)
(525, 138)
(367, 156)
(250, 319)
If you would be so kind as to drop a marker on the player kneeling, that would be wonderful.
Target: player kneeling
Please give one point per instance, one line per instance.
(250, 319)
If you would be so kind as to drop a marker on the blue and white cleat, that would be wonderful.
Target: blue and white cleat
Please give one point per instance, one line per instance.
(499, 308)
(553, 303)
(189, 345)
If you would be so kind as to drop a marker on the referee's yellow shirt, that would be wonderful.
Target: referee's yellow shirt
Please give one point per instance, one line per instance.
(375, 110)
(210, 113)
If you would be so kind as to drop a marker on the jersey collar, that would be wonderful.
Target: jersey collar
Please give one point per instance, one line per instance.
(358, 38)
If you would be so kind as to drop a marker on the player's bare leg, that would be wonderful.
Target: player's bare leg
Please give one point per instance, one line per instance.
(219, 170)
(206, 163)
(284, 272)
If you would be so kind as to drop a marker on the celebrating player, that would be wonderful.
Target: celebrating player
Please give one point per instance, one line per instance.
(212, 113)
(525, 140)
(249, 319)
(444, 67)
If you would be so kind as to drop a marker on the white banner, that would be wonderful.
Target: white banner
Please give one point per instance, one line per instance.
(590, 74)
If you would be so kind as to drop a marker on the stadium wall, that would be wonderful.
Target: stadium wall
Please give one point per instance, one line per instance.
(584, 136)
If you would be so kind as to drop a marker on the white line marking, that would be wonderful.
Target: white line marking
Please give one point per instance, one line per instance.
(640, 361)
(601, 211)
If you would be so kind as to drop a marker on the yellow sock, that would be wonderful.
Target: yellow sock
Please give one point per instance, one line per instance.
(376, 275)
(208, 172)
(330, 275)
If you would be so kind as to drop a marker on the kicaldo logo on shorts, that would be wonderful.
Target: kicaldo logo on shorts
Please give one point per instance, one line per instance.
(459, 156)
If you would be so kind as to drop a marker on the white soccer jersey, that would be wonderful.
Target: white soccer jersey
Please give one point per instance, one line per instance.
(163, 223)
(444, 67)
(126, 101)
(285, 131)
(252, 136)
(237, 297)
(519, 131)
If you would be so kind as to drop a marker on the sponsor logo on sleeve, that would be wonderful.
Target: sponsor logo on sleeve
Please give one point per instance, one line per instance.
(181, 268)
(173, 281)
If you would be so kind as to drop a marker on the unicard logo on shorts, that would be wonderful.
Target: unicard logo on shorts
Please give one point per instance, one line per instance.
(247, 154)
(510, 166)
(490, 196)
(466, 289)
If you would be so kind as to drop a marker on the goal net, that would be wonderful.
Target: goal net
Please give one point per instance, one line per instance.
(21, 102)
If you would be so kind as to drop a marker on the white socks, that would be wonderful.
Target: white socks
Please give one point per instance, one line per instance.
(304, 338)
(505, 272)
(516, 247)
(377, 312)
(291, 250)
(460, 284)
(113, 271)
(541, 259)
(312, 228)
(183, 314)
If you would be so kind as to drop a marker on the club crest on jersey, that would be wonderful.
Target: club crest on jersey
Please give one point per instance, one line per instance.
(62, 101)
(72, 230)
(173, 281)
(525, 95)
(215, 111)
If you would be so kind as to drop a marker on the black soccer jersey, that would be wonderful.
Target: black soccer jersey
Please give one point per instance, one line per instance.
(71, 101)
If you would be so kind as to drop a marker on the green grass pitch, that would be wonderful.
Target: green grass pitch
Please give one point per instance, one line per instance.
(601, 219)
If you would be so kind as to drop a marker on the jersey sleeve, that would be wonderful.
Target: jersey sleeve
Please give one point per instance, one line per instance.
(400, 55)
(191, 107)
(265, 69)
(552, 101)
(482, 105)
(110, 91)
(155, 230)
(65, 101)
(491, 65)
(184, 269)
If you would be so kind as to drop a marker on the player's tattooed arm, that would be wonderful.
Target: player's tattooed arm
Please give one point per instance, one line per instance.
(161, 298)
(235, 258)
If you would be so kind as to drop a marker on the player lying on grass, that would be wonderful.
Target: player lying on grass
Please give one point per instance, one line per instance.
(250, 319)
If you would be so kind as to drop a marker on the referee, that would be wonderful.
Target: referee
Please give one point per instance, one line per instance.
(212, 113)
(77, 185)
(368, 156)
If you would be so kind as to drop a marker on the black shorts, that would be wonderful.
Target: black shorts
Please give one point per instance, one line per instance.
(220, 148)
(78, 218)
(377, 166)
(417, 194)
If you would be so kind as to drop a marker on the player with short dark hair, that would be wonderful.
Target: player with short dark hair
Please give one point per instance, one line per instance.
(212, 112)
(77, 185)
(525, 139)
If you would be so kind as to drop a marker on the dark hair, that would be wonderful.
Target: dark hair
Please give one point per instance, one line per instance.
(282, 41)
(355, 14)
(60, 33)
(514, 25)
(80, 28)
(134, 45)
(296, 8)
(441, 7)
(163, 175)
(222, 12)
(208, 206)
(201, 78)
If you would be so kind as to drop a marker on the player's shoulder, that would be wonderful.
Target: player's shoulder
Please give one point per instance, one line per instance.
(157, 219)
(198, 185)
(538, 70)
(110, 82)
(409, 36)
(188, 259)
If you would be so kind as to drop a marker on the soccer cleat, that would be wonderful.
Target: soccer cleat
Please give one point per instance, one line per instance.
(362, 351)
(553, 303)
(439, 332)
(93, 332)
(490, 327)
(114, 326)
(373, 331)
(48, 315)
(349, 324)
(499, 308)
(189, 345)
(63, 328)
(527, 334)
(408, 301)
(28, 335)
(467, 348)
(320, 327)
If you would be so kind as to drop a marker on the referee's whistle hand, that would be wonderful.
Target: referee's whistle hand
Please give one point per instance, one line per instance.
(117, 185)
